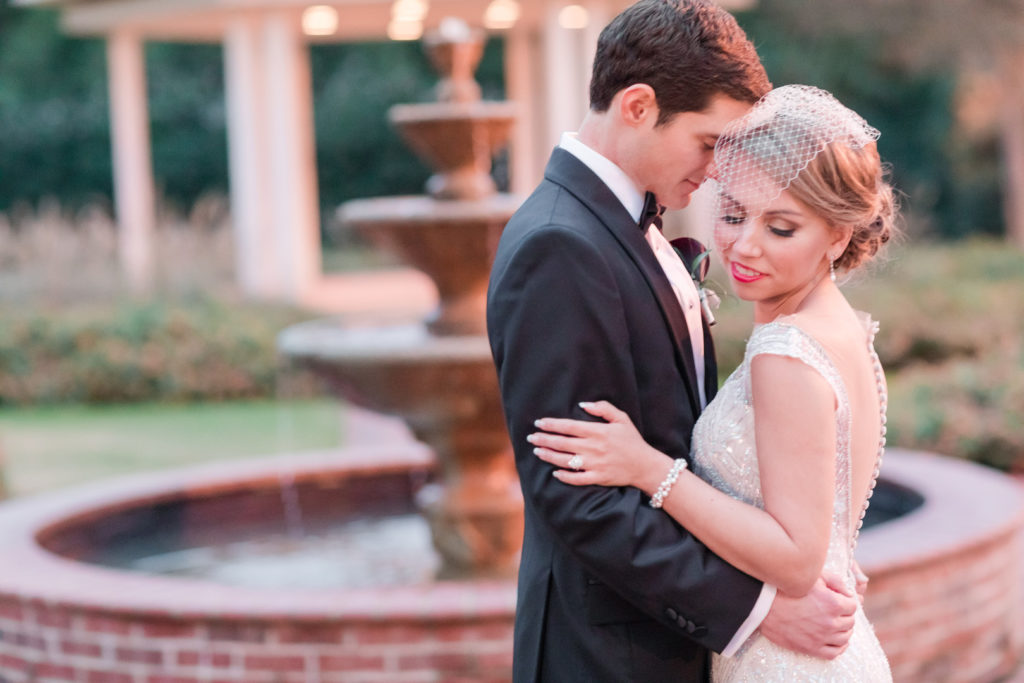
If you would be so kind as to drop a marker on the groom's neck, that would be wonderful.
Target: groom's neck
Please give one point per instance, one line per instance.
(600, 133)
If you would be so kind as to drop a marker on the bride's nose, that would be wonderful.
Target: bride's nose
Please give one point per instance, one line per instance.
(745, 240)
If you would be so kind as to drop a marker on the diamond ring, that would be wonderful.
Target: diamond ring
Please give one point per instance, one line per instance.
(576, 463)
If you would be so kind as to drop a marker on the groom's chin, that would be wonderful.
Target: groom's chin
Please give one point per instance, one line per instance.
(679, 202)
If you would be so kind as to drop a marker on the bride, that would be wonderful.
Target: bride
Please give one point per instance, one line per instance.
(785, 457)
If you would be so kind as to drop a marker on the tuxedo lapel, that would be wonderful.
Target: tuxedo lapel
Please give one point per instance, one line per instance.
(710, 363)
(566, 170)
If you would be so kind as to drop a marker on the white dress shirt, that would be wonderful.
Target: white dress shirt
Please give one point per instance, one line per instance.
(632, 198)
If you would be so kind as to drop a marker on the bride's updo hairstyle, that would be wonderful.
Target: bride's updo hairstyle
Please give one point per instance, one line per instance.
(848, 186)
(802, 139)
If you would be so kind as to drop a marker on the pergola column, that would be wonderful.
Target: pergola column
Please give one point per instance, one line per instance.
(274, 199)
(134, 194)
(521, 71)
(567, 62)
(294, 198)
(255, 270)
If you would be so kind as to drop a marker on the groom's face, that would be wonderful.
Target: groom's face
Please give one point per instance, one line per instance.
(671, 160)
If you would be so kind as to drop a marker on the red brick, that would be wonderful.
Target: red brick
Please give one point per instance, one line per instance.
(53, 617)
(136, 656)
(98, 624)
(243, 633)
(205, 658)
(309, 633)
(11, 610)
(55, 672)
(275, 663)
(75, 647)
(107, 677)
(172, 679)
(354, 662)
(494, 661)
(168, 629)
(474, 632)
(450, 662)
(25, 640)
(10, 662)
(390, 634)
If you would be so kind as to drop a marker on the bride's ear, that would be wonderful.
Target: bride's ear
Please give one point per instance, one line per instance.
(638, 105)
(841, 235)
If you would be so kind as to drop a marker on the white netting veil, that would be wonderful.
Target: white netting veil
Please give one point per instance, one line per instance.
(760, 154)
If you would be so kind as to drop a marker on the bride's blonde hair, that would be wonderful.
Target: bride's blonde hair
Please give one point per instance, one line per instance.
(848, 186)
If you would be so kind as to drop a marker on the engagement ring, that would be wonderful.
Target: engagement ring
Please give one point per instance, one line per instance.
(576, 463)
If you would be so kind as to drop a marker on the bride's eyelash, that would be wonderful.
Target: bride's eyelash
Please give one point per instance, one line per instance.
(781, 232)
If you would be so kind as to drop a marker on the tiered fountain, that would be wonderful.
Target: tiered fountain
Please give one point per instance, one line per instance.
(437, 374)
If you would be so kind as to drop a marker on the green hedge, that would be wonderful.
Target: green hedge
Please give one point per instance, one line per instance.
(952, 325)
(198, 349)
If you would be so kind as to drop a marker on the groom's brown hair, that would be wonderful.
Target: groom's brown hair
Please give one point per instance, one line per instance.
(688, 51)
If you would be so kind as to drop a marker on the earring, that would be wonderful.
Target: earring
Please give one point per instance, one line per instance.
(831, 269)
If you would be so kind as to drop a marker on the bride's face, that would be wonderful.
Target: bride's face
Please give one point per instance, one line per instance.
(778, 257)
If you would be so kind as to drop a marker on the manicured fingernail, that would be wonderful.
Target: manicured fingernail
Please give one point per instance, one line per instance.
(536, 451)
(586, 404)
(539, 422)
(531, 438)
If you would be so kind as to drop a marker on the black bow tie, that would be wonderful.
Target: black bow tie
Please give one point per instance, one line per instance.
(651, 215)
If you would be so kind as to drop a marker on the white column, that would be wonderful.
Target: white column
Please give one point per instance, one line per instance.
(255, 270)
(133, 168)
(294, 208)
(568, 58)
(560, 84)
(526, 159)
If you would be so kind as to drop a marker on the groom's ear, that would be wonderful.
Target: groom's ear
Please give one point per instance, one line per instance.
(638, 105)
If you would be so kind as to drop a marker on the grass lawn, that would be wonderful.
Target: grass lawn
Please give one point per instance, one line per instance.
(47, 448)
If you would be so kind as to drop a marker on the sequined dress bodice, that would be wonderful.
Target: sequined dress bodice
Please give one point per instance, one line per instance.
(724, 455)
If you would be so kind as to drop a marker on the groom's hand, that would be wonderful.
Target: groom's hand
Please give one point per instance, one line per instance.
(818, 624)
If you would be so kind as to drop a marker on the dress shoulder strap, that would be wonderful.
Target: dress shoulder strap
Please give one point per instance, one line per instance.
(779, 338)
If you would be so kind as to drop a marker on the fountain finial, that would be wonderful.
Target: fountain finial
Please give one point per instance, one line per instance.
(459, 134)
(455, 50)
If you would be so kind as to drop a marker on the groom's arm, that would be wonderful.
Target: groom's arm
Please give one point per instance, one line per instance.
(559, 335)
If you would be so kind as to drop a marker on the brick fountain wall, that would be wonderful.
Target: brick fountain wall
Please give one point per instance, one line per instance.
(944, 597)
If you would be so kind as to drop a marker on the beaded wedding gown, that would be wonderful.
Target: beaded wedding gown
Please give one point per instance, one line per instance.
(724, 455)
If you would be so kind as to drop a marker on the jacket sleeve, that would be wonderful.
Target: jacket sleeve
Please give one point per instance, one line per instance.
(559, 336)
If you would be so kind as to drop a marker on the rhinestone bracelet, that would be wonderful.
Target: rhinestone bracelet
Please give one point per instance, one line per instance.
(670, 479)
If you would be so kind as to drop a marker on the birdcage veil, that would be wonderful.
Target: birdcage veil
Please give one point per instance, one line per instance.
(760, 154)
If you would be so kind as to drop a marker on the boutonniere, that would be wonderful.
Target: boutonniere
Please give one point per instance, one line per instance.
(695, 258)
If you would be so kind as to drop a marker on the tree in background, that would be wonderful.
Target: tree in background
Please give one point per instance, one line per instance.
(920, 70)
(974, 47)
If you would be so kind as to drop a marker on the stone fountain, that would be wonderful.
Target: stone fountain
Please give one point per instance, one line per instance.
(437, 374)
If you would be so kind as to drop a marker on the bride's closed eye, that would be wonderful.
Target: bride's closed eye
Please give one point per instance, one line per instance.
(781, 232)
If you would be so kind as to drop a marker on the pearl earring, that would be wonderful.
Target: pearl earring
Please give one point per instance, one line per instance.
(831, 269)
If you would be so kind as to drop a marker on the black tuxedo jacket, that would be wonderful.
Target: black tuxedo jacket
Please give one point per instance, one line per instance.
(579, 310)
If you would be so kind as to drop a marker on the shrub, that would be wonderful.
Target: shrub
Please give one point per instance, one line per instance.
(184, 350)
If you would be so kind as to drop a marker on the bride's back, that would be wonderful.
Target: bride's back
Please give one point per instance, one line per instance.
(846, 336)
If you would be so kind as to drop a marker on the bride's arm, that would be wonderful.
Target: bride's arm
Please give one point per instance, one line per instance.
(785, 544)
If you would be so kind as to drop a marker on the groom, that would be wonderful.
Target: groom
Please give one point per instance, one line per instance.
(586, 305)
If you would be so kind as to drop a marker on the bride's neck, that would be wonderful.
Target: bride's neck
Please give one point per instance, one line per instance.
(819, 296)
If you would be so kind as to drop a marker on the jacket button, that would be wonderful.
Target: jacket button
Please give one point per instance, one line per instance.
(671, 614)
(682, 622)
(690, 627)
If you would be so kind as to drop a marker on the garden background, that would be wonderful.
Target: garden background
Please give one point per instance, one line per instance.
(95, 381)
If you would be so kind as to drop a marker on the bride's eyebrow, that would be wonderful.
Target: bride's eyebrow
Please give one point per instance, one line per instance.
(784, 212)
(729, 203)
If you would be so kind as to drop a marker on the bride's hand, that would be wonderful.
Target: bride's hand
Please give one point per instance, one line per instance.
(611, 453)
